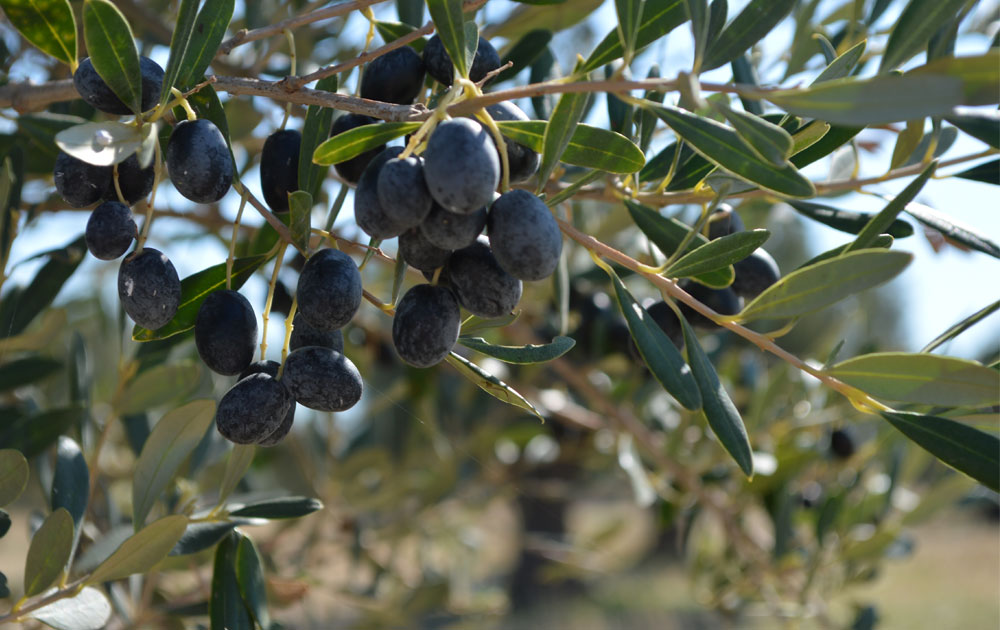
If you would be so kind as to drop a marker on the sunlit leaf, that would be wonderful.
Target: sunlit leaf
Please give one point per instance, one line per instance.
(923, 378)
(49, 550)
(757, 19)
(590, 147)
(87, 610)
(112, 51)
(914, 27)
(47, 24)
(450, 26)
(717, 254)
(520, 354)
(356, 141)
(490, 384)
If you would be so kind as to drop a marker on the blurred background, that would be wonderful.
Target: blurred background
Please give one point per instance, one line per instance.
(446, 508)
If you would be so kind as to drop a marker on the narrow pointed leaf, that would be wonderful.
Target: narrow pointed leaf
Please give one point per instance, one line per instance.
(490, 384)
(20, 372)
(142, 551)
(880, 223)
(209, 30)
(916, 25)
(884, 241)
(756, 20)
(668, 233)
(981, 125)
(87, 610)
(194, 289)
(629, 18)
(450, 26)
(13, 475)
(987, 173)
(300, 205)
(966, 449)
(816, 286)
(284, 507)
(250, 577)
(967, 323)
(101, 144)
(48, 24)
(71, 480)
(354, 142)
(955, 232)
(769, 141)
(202, 535)
(315, 131)
(559, 131)
(524, 52)
(167, 447)
(722, 146)
(237, 464)
(848, 220)
(590, 147)
(49, 550)
(179, 40)
(931, 90)
(226, 608)
(844, 64)
(833, 139)
(17, 311)
(718, 408)
(659, 17)
(928, 379)
(112, 51)
(520, 354)
(718, 254)
(698, 14)
(657, 350)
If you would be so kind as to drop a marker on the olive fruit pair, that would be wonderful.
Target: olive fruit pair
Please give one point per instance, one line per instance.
(81, 184)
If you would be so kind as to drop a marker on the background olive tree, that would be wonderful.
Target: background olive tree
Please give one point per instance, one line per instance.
(752, 455)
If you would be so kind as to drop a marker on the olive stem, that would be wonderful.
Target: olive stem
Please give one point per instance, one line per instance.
(183, 102)
(265, 316)
(149, 206)
(289, 326)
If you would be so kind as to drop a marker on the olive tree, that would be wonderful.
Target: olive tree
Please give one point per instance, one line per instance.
(465, 336)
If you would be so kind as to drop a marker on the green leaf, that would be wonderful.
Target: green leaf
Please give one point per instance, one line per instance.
(173, 438)
(816, 286)
(48, 553)
(698, 14)
(520, 354)
(209, 29)
(202, 535)
(471, 42)
(33, 434)
(354, 142)
(71, 480)
(179, 41)
(960, 446)
(48, 24)
(87, 610)
(960, 234)
(102, 144)
(13, 475)
(142, 551)
(884, 241)
(159, 385)
(770, 142)
(25, 371)
(11, 181)
(553, 18)
(832, 140)
(755, 21)
(250, 577)
(629, 18)
(721, 145)
(881, 221)
(981, 125)
(477, 324)
(668, 233)
(284, 507)
(987, 173)
(237, 465)
(844, 64)
(916, 25)
(450, 25)
(315, 130)
(16, 312)
(194, 289)
(717, 254)
(391, 31)
(847, 220)
(226, 608)
(922, 378)
(659, 17)
(112, 51)
(559, 131)
(966, 323)
(524, 52)
(717, 407)
(300, 205)
(657, 350)
(590, 147)
(490, 384)
(931, 90)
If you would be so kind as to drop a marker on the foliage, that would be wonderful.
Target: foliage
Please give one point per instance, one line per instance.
(731, 436)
